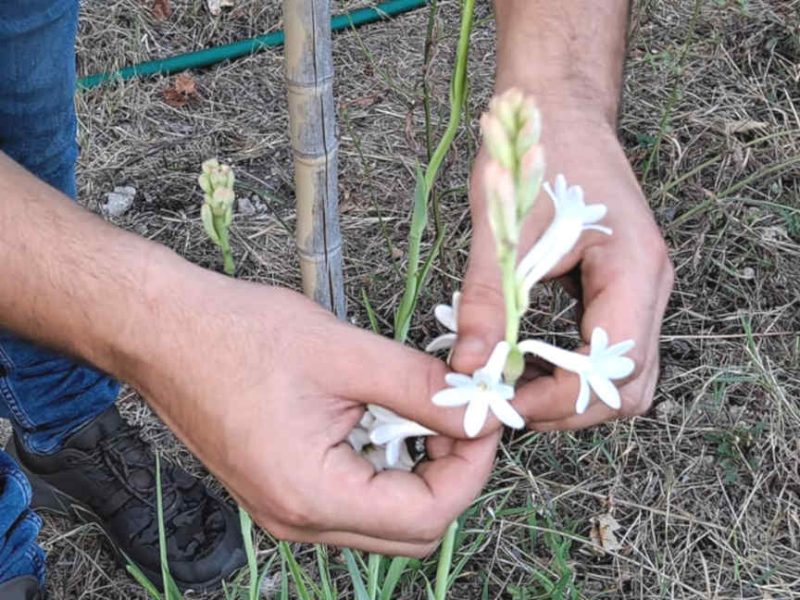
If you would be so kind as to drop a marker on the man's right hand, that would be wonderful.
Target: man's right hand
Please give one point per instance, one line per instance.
(264, 386)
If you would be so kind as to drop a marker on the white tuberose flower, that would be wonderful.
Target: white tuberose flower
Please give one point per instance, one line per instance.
(572, 217)
(447, 316)
(596, 370)
(390, 430)
(483, 391)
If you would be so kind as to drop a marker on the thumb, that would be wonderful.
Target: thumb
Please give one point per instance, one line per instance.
(481, 311)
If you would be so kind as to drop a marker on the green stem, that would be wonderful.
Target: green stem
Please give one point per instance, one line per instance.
(225, 246)
(445, 562)
(457, 94)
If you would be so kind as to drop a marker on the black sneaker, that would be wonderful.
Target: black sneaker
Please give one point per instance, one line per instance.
(105, 473)
(21, 588)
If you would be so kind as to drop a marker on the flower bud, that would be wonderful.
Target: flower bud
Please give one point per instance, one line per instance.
(501, 204)
(497, 140)
(531, 174)
(530, 126)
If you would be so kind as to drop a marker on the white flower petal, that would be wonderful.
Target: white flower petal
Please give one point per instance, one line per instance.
(446, 316)
(393, 452)
(615, 367)
(505, 412)
(584, 395)
(600, 228)
(458, 380)
(621, 348)
(497, 361)
(384, 414)
(475, 415)
(453, 396)
(606, 391)
(358, 438)
(386, 434)
(456, 302)
(405, 462)
(593, 213)
(504, 391)
(599, 341)
(367, 419)
(570, 361)
(443, 342)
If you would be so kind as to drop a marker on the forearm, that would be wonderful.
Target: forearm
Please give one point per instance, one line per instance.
(569, 54)
(73, 282)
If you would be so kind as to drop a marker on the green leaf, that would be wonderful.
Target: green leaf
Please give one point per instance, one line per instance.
(396, 569)
(246, 526)
(355, 575)
(171, 591)
(373, 320)
(328, 592)
(142, 580)
(373, 574)
(296, 571)
(419, 220)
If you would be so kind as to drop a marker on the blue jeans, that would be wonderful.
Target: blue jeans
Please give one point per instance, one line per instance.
(46, 396)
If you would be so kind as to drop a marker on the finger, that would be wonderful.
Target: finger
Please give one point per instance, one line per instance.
(408, 507)
(481, 321)
(404, 380)
(596, 414)
(624, 303)
(348, 539)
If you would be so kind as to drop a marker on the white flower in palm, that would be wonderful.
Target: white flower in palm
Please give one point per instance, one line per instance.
(390, 431)
(380, 438)
(447, 315)
(481, 392)
(603, 364)
(572, 217)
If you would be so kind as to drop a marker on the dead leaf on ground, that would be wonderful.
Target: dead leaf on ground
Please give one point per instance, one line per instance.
(215, 6)
(162, 9)
(602, 532)
(182, 91)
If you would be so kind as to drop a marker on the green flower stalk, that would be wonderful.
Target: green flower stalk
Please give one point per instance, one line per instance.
(216, 181)
(511, 131)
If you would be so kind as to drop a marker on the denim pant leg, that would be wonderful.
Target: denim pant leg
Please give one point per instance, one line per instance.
(19, 553)
(47, 396)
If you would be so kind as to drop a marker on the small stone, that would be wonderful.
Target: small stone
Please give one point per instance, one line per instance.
(245, 207)
(119, 201)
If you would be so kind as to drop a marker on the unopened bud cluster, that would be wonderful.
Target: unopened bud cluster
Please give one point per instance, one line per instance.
(217, 181)
(511, 130)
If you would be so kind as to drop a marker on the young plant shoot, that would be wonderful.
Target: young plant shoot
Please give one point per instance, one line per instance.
(216, 181)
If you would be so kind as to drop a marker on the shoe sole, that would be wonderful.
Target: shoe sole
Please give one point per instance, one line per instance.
(47, 498)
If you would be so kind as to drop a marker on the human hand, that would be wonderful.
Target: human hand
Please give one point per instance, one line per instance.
(264, 386)
(622, 282)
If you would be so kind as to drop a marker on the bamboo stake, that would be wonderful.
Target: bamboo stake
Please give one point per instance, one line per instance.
(312, 118)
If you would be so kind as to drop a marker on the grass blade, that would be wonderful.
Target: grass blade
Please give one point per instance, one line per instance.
(355, 575)
(143, 581)
(445, 561)
(171, 591)
(246, 525)
(328, 592)
(396, 569)
(296, 571)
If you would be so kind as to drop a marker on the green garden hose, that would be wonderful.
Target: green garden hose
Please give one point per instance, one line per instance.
(211, 56)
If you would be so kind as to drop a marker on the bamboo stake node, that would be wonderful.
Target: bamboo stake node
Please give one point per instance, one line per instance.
(312, 119)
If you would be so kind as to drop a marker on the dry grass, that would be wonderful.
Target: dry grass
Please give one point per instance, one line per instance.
(706, 487)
